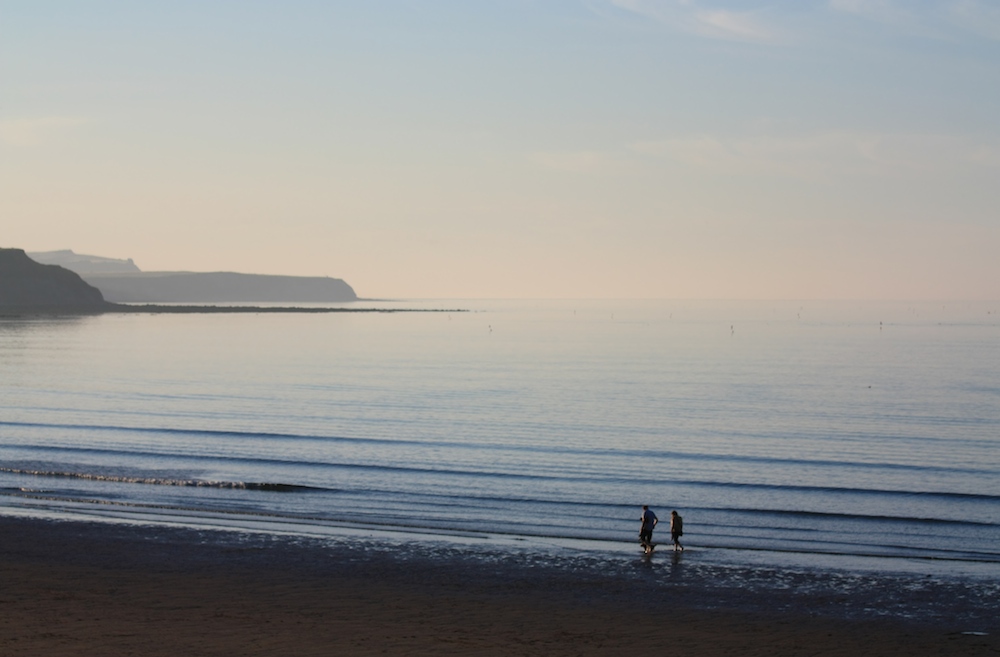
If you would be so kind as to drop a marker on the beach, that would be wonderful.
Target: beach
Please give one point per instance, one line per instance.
(82, 588)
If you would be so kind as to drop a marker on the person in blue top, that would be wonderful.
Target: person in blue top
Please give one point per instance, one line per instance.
(649, 521)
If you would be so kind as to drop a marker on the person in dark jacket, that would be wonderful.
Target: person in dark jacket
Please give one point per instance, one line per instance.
(676, 530)
(649, 521)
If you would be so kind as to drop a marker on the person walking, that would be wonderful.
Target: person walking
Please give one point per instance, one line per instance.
(676, 530)
(649, 521)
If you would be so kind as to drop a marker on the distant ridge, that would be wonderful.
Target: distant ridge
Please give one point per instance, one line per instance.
(25, 283)
(219, 287)
(84, 264)
(31, 289)
(121, 281)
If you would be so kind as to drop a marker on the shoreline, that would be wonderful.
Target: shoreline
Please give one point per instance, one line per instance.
(73, 587)
(7, 312)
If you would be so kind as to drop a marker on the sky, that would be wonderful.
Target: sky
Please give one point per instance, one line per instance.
(784, 149)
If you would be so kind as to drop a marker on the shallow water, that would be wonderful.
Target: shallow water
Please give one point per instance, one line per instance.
(780, 431)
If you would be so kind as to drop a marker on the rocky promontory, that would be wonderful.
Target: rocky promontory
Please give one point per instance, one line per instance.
(25, 283)
(84, 264)
(29, 288)
(219, 287)
(121, 281)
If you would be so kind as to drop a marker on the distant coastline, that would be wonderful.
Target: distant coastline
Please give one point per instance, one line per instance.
(30, 289)
(121, 281)
(157, 309)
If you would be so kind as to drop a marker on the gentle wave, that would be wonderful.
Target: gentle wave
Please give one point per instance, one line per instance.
(709, 539)
(472, 500)
(165, 481)
(790, 513)
(549, 449)
(630, 480)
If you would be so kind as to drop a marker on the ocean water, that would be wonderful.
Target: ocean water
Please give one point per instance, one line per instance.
(805, 432)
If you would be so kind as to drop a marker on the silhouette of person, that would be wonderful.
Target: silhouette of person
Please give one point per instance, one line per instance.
(649, 521)
(676, 530)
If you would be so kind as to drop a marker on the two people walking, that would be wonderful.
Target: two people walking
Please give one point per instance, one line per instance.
(649, 521)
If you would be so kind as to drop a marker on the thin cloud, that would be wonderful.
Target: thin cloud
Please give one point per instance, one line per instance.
(934, 20)
(824, 156)
(874, 8)
(906, 18)
(716, 23)
(736, 26)
(29, 132)
(772, 23)
(571, 162)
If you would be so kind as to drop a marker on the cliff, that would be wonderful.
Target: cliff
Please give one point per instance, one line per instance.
(25, 283)
(120, 280)
(219, 287)
(84, 264)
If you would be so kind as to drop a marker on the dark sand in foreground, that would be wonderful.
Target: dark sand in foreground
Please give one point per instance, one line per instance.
(93, 589)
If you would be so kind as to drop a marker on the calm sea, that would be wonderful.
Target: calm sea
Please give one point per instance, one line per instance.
(813, 429)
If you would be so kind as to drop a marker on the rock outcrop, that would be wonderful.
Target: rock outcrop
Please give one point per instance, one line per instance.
(25, 283)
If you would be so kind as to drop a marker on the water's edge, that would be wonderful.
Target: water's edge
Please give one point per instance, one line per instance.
(662, 582)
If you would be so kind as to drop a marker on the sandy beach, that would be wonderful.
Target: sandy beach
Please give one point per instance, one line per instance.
(93, 589)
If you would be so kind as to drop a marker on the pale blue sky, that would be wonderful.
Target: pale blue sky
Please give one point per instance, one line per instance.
(569, 148)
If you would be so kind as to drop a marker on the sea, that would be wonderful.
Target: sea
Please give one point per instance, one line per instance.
(858, 435)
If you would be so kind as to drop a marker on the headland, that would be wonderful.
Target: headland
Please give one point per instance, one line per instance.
(30, 288)
(121, 281)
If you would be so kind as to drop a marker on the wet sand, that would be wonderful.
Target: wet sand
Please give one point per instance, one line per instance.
(92, 589)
